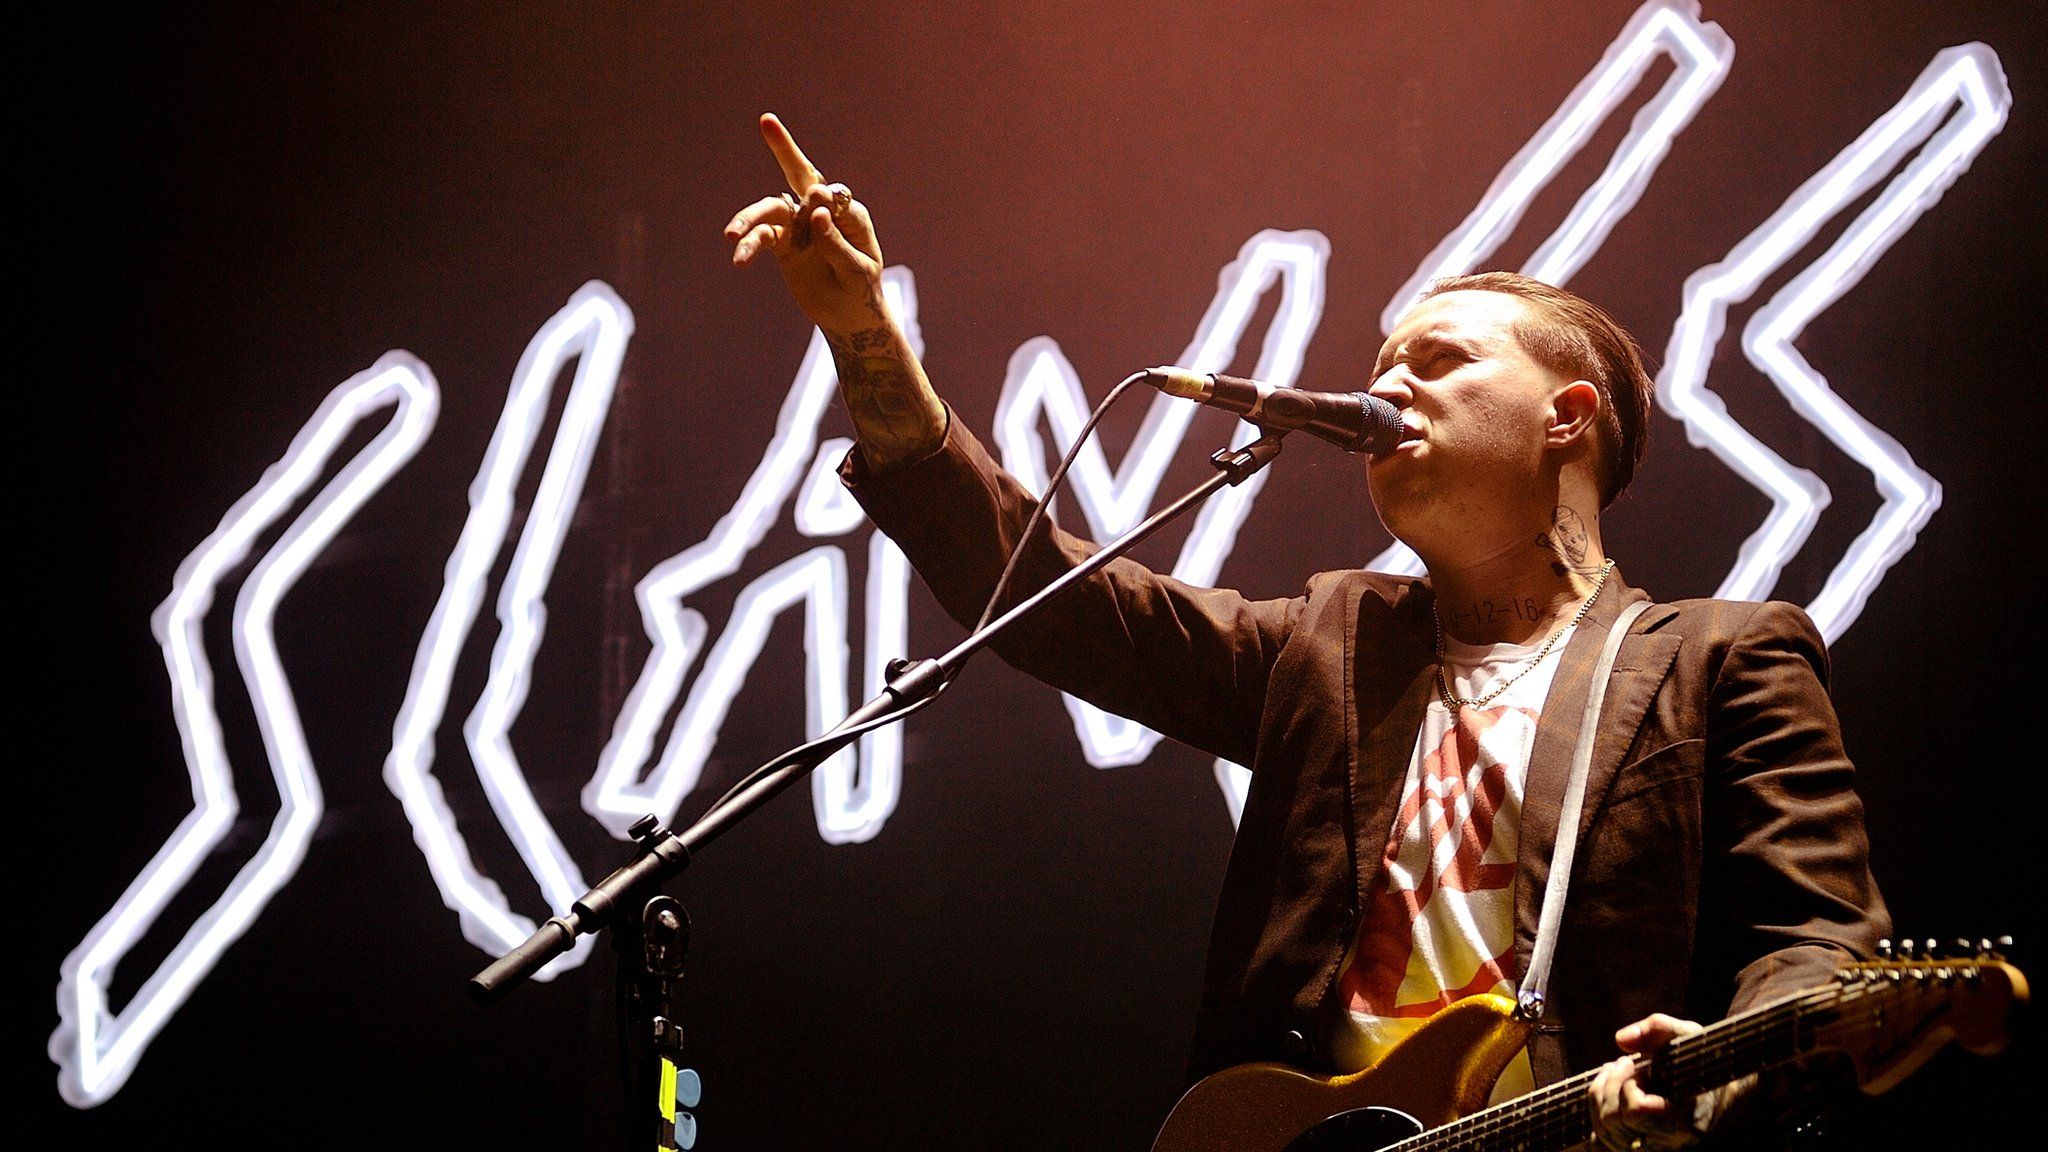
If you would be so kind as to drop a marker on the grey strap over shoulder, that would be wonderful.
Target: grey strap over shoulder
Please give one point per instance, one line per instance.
(1530, 999)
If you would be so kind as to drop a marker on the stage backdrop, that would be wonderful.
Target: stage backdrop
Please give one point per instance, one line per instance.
(430, 496)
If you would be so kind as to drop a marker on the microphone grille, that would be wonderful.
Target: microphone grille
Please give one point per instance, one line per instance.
(1382, 426)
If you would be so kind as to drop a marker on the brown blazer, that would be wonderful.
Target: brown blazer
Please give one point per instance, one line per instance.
(1722, 861)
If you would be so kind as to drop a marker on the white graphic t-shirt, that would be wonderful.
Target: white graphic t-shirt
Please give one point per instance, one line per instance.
(1442, 924)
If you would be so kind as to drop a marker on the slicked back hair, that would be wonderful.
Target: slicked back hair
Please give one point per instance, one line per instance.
(1570, 335)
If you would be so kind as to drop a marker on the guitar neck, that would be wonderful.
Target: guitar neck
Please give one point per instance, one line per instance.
(1557, 1116)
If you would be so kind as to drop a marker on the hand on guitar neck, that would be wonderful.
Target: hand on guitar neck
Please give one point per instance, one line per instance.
(1628, 1118)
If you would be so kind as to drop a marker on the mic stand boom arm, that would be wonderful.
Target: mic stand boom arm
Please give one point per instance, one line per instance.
(663, 854)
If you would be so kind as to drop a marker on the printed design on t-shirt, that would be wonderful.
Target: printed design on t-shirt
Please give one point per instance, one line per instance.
(1437, 929)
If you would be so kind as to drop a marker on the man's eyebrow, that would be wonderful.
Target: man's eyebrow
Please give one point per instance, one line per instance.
(1424, 341)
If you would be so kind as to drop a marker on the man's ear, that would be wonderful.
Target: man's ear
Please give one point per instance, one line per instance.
(1574, 413)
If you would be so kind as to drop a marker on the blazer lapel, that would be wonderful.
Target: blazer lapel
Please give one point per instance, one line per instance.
(1639, 670)
(1391, 689)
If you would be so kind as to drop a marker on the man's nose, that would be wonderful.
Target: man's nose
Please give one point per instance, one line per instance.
(1394, 387)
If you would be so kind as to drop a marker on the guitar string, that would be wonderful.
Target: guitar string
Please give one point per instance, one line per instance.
(1691, 1066)
(1560, 1107)
(1691, 1070)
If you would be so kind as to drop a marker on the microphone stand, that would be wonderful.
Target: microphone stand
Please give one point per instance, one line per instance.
(664, 854)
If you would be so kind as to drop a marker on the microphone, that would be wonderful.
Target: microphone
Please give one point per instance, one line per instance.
(1353, 421)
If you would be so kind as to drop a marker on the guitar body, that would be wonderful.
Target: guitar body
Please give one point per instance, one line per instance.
(1445, 1070)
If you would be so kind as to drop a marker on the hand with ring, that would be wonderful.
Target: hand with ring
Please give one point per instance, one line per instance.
(821, 237)
(824, 243)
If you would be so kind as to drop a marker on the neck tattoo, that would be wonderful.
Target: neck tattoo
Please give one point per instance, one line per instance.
(1453, 701)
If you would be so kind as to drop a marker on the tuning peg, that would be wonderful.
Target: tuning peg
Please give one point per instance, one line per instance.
(1989, 949)
(1884, 948)
(1907, 948)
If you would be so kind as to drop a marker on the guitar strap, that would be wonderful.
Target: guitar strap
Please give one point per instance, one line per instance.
(1529, 999)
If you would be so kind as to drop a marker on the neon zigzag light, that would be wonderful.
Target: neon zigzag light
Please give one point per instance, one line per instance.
(97, 1050)
(1040, 379)
(593, 329)
(850, 805)
(1969, 76)
(1702, 55)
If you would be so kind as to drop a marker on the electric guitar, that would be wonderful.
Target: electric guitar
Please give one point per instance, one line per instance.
(1889, 1016)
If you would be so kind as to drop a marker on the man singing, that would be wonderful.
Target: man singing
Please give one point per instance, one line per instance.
(1410, 739)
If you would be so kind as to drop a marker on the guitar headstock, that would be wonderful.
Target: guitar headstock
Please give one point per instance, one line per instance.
(1895, 1012)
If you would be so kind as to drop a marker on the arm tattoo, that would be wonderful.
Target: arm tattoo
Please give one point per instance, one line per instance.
(883, 395)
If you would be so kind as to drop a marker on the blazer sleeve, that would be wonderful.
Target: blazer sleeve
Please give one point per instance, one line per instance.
(1189, 662)
(1795, 896)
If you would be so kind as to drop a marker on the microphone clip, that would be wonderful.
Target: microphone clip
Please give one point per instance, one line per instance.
(1240, 463)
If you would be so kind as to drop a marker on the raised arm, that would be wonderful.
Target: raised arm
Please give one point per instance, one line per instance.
(824, 242)
(1187, 661)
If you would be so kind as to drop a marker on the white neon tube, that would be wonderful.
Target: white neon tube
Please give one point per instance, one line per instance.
(1966, 81)
(96, 1049)
(1042, 382)
(592, 329)
(852, 797)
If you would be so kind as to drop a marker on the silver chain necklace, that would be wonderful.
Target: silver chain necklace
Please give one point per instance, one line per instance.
(1453, 701)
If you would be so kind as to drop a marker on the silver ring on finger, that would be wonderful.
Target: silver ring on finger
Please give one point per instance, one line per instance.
(796, 207)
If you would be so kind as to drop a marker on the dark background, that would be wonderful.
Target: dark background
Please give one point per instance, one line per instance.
(228, 213)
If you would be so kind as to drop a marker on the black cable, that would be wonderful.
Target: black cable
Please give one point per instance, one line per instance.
(988, 613)
(1052, 486)
(798, 752)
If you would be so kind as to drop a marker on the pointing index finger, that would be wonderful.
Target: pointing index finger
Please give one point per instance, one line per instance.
(796, 167)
